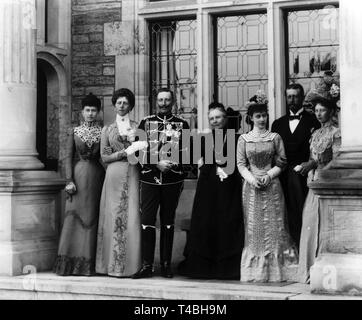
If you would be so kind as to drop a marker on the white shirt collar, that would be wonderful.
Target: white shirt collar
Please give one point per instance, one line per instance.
(121, 119)
(297, 113)
(123, 124)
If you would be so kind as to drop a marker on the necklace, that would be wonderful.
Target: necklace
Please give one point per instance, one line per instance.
(220, 153)
(260, 134)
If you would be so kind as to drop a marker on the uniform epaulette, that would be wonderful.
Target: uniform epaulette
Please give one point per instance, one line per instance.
(149, 117)
(179, 118)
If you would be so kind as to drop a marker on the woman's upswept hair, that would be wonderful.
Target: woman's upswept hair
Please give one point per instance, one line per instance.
(91, 100)
(124, 92)
(257, 103)
(253, 108)
(329, 104)
(217, 105)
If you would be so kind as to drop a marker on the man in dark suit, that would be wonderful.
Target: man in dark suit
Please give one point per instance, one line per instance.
(295, 128)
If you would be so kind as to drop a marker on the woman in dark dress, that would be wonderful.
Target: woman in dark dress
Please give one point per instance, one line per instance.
(215, 243)
(77, 245)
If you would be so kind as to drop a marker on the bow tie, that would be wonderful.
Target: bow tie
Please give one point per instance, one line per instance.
(295, 117)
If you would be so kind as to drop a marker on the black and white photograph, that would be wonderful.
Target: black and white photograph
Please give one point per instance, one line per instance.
(186, 151)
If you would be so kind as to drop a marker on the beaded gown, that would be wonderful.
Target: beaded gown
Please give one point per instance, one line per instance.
(77, 245)
(324, 144)
(269, 254)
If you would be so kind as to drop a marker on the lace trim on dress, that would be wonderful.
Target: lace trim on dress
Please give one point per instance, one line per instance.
(270, 267)
(252, 136)
(322, 139)
(89, 133)
(66, 266)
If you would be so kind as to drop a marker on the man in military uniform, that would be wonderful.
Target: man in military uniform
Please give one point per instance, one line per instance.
(162, 176)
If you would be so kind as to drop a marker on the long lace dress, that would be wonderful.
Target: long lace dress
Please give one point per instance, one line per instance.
(77, 245)
(268, 253)
(119, 231)
(325, 143)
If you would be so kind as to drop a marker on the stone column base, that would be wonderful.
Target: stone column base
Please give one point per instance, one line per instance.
(338, 267)
(23, 162)
(29, 220)
(337, 273)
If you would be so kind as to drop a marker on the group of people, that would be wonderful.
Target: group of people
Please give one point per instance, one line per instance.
(110, 214)
(256, 222)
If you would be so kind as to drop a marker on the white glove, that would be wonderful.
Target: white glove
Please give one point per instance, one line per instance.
(274, 172)
(200, 163)
(221, 173)
(246, 174)
(136, 146)
(70, 188)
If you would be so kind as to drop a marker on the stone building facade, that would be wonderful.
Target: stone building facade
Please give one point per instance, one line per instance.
(205, 50)
(93, 70)
(104, 49)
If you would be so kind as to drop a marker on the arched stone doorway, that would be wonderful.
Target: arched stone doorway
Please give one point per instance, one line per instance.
(53, 116)
(42, 121)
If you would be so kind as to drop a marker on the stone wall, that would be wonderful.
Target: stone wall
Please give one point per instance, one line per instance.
(93, 69)
(108, 52)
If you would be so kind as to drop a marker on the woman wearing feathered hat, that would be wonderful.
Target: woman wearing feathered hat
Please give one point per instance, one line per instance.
(327, 88)
(77, 246)
(324, 144)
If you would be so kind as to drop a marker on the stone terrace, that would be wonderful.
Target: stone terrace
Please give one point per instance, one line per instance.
(46, 286)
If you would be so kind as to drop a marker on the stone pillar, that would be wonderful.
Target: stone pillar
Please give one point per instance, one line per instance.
(18, 85)
(29, 198)
(338, 267)
(128, 46)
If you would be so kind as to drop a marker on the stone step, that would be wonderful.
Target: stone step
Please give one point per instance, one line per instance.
(44, 286)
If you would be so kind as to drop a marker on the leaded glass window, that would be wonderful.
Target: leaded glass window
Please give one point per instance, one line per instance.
(313, 45)
(173, 64)
(241, 58)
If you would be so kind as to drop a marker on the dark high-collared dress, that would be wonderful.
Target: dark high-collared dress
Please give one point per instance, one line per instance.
(77, 244)
(215, 242)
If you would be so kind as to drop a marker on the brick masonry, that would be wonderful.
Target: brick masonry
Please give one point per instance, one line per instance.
(99, 39)
(93, 70)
